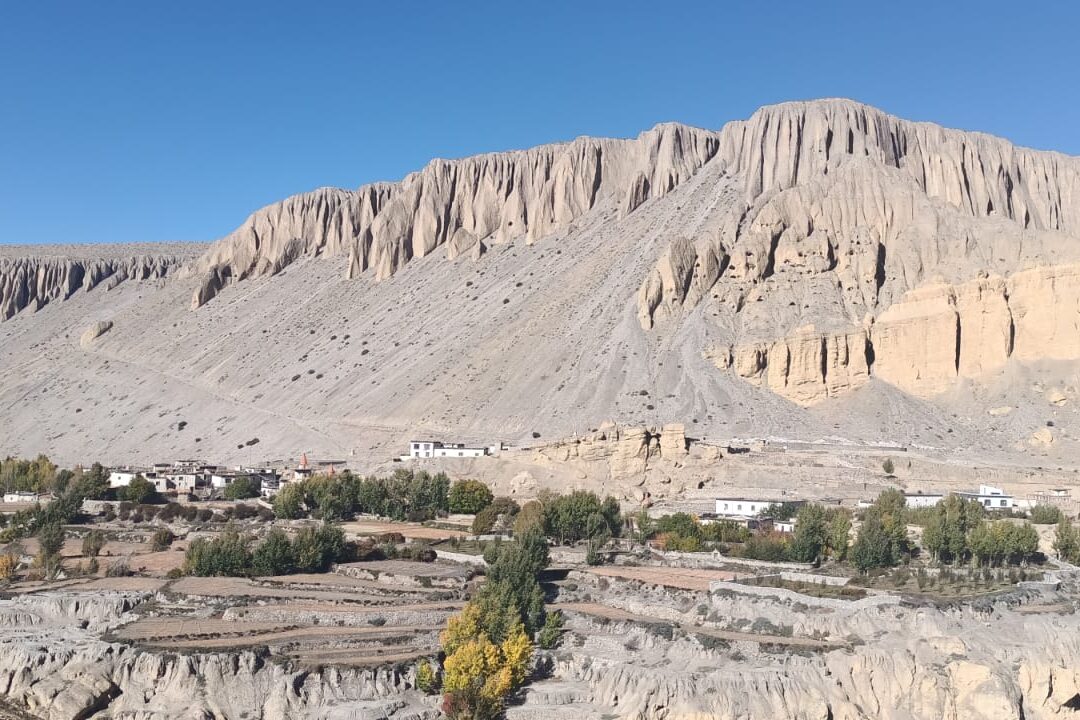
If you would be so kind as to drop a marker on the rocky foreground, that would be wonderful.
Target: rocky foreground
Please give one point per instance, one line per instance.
(631, 650)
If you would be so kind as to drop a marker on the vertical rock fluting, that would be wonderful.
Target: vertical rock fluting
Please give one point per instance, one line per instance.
(927, 340)
(459, 204)
(40, 275)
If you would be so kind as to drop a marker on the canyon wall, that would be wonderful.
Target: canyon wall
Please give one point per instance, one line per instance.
(923, 343)
(37, 276)
(458, 204)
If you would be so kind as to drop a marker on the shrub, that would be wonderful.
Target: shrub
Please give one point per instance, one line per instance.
(242, 488)
(118, 568)
(1046, 515)
(551, 632)
(138, 491)
(92, 543)
(275, 555)
(161, 539)
(888, 466)
(469, 496)
(426, 680)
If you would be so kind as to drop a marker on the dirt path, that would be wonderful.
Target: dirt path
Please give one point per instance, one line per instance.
(610, 613)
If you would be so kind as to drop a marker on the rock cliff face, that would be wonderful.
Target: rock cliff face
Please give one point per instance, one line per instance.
(829, 214)
(34, 277)
(927, 340)
(460, 204)
(57, 668)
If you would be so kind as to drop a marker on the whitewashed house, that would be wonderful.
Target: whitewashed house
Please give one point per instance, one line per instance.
(122, 477)
(988, 496)
(21, 496)
(920, 500)
(436, 449)
(747, 507)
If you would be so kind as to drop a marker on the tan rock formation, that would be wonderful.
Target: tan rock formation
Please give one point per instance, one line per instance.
(95, 331)
(32, 277)
(492, 198)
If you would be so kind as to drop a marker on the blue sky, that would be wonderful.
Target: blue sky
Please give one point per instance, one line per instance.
(146, 121)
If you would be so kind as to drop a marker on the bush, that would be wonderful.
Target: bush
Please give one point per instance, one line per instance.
(138, 491)
(162, 539)
(92, 543)
(275, 555)
(118, 568)
(226, 555)
(551, 632)
(469, 497)
(426, 680)
(1046, 515)
(242, 488)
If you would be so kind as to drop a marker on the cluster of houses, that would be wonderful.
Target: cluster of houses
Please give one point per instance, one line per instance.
(753, 513)
(194, 477)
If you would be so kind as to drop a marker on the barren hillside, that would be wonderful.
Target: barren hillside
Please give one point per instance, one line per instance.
(820, 270)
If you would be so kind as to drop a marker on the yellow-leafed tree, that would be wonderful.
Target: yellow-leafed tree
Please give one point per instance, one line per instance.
(478, 675)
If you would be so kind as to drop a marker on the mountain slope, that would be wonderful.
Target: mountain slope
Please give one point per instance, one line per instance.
(820, 269)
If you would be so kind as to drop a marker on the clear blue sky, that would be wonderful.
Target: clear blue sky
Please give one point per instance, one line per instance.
(141, 121)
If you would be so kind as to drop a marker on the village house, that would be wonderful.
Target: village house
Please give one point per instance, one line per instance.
(990, 497)
(20, 496)
(436, 449)
(122, 477)
(748, 507)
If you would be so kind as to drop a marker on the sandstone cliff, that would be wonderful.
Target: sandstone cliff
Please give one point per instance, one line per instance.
(460, 204)
(32, 277)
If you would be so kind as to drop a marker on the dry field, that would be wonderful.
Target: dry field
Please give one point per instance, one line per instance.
(312, 620)
(412, 531)
(681, 578)
(617, 615)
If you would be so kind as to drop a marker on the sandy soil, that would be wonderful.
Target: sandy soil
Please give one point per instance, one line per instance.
(683, 578)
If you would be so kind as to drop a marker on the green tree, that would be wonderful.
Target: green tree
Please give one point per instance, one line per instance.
(567, 517)
(228, 554)
(138, 491)
(839, 533)
(426, 680)
(318, 548)
(888, 466)
(549, 634)
(511, 580)
(469, 497)
(644, 527)
(1046, 515)
(1067, 541)
(811, 534)
(242, 488)
(92, 543)
(51, 538)
(275, 555)
(289, 502)
(875, 545)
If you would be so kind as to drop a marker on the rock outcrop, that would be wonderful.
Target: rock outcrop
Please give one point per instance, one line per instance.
(35, 276)
(459, 204)
(927, 340)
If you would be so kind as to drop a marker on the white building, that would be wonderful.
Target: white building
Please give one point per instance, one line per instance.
(183, 481)
(19, 496)
(435, 449)
(988, 496)
(920, 500)
(122, 477)
(747, 507)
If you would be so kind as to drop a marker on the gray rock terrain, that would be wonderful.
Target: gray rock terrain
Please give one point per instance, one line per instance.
(820, 272)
